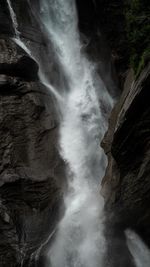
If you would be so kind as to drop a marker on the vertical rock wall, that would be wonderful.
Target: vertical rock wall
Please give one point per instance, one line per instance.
(32, 173)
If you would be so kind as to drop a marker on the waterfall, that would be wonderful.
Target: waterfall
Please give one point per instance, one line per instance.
(84, 111)
(79, 241)
(20, 43)
(15, 27)
(13, 18)
(138, 249)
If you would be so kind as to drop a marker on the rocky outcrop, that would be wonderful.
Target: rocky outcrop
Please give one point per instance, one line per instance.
(32, 173)
(126, 184)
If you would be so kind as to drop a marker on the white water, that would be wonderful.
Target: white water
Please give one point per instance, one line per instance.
(80, 241)
(14, 19)
(20, 43)
(138, 249)
(15, 27)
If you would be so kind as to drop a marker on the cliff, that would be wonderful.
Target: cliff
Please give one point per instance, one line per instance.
(31, 170)
(126, 183)
(32, 174)
(125, 186)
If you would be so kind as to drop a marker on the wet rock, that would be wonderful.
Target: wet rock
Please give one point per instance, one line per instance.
(26, 68)
(105, 21)
(5, 21)
(31, 212)
(126, 183)
(32, 173)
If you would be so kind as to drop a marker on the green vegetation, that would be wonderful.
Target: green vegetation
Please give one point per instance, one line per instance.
(138, 32)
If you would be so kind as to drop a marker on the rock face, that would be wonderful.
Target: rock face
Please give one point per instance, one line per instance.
(32, 174)
(94, 24)
(103, 22)
(126, 184)
(31, 171)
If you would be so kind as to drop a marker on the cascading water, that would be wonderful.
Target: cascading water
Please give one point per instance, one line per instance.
(79, 240)
(20, 43)
(15, 27)
(14, 19)
(138, 249)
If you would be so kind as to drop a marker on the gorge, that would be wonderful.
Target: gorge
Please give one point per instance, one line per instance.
(58, 86)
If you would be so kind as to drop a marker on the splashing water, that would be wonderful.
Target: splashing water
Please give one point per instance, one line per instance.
(17, 38)
(20, 43)
(80, 240)
(138, 249)
(14, 19)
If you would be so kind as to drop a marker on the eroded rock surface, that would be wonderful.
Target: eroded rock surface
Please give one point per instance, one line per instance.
(31, 171)
(126, 184)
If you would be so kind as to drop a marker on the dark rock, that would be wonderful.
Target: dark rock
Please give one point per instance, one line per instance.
(32, 174)
(26, 68)
(108, 18)
(126, 183)
(29, 212)
(5, 19)
(117, 252)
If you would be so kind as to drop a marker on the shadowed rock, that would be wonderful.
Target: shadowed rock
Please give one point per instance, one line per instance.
(32, 175)
(126, 184)
(26, 69)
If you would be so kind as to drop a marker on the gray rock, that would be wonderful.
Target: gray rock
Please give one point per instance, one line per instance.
(32, 174)
(126, 183)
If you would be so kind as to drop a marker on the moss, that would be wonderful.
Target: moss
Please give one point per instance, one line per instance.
(137, 13)
(144, 59)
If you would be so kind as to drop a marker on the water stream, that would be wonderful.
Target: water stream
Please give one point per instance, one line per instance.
(84, 111)
(20, 43)
(138, 249)
(80, 240)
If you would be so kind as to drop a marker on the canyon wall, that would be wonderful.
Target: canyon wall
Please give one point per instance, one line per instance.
(126, 183)
(31, 171)
(32, 174)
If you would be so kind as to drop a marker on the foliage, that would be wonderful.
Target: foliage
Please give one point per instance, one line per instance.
(138, 32)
